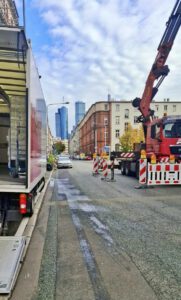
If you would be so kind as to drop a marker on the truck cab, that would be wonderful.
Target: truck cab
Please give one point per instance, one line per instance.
(164, 137)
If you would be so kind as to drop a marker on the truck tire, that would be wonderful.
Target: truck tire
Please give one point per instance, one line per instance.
(127, 170)
(122, 168)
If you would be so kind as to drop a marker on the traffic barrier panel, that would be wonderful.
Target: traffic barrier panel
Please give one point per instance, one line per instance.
(127, 155)
(164, 174)
(142, 171)
(95, 166)
(101, 163)
(164, 159)
(105, 169)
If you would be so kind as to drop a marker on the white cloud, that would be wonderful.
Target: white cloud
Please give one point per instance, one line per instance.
(102, 45)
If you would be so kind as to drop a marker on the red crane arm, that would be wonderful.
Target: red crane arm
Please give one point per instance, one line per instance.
(159, 70)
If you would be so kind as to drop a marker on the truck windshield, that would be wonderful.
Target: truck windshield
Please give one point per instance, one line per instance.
(172, 130)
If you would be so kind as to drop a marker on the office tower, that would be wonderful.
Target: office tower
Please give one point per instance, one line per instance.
(61, 123)
(79, 111)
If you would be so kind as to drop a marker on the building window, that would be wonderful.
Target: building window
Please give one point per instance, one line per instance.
(155, 131)
(106, 106)
(126, 126)
(156, 107)
(117, 133)
(174, 108)
(105, 121)
(126, 113)
(117, 120)
(117, 147)
(117, 107)
(165, 107)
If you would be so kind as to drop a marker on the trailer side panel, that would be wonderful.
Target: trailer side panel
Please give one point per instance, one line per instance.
(37, 124)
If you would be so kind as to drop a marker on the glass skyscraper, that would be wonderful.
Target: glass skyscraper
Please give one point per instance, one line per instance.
(61, 123)
(79, 111)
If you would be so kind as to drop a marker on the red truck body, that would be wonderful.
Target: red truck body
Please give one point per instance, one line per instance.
(162, 136)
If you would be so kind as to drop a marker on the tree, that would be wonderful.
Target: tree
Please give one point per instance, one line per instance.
(130, 137)
(59, 147)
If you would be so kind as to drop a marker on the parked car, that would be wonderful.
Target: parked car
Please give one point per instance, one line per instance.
(88, 158)
(64, 162)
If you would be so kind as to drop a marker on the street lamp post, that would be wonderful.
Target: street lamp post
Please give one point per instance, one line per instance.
(57, 104)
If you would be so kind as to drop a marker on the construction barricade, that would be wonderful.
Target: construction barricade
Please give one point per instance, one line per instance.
(164, 174)
(152, 174)
(101, 160)
(143, 171)
(104, 170)
(95, 166)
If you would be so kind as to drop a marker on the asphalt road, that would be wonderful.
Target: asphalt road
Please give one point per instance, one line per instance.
(106, 240)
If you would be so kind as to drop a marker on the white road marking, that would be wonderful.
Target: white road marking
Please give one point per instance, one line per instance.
(74, 197)
(101, 229)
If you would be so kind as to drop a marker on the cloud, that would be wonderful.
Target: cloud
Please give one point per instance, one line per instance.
(103, 45)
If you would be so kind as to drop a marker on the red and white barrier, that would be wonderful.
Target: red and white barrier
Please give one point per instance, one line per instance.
(101, 163)
(159, 173)
(105, 169)
(142, 171)
(127, 155)
(95, 166)
(164, 159)
(164, 174)
(112, 164)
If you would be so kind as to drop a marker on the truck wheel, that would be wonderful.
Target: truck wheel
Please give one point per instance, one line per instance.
(127, 171)
(122, 168)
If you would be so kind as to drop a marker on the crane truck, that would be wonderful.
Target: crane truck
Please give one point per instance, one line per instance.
(162, 135)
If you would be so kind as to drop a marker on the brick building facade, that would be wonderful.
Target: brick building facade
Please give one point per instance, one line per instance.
(106, 121)
(94, 129)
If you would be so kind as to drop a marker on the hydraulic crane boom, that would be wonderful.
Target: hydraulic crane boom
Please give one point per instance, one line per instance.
(159, 70)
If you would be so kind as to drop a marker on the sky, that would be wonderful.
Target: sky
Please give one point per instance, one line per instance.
(87, 49)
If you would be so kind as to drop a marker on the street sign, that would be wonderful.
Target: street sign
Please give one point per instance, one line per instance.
(106, 149)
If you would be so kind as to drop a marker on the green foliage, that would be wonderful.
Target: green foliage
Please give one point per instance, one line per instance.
(59, 147)
(130, 137)
(51, 159)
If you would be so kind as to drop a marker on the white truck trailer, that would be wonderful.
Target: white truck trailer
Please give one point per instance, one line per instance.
(23, 127)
